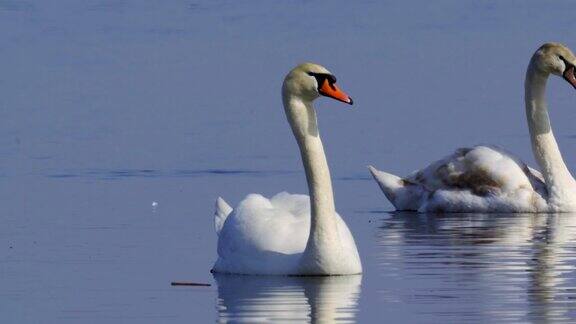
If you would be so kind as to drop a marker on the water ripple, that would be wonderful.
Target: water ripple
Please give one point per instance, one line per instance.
(119, 174)
(518, 267)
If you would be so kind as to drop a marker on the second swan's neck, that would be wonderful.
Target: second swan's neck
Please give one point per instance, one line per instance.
(558, 179)
(323, 229)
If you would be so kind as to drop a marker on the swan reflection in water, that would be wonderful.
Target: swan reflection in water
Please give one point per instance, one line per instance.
(278, 298)
(519, 267)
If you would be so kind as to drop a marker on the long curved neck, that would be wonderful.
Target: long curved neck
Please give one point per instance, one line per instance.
(323, 229)
(558, 179)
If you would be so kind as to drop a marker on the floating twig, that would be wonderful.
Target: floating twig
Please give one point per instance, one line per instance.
(188, 283)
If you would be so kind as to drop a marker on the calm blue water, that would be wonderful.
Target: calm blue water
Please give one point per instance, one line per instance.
(122, 121)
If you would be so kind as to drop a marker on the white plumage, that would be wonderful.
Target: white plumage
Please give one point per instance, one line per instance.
(478, 179)
(487, 179)
(268, 236)
(292, 234)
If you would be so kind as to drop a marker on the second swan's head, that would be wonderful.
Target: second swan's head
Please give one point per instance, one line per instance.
(557, 59)
(308, 81)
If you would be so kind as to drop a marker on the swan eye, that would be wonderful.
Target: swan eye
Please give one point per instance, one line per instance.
(320, 77)
(566, 63)
(331, 78)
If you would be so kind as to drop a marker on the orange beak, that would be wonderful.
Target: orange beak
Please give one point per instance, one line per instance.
(332, 91)
(569, 75)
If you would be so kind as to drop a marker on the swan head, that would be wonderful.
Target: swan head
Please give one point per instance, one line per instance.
(557, 59)
(308, 81)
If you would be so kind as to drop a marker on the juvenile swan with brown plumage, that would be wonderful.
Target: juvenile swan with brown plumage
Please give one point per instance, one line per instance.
(488, 179)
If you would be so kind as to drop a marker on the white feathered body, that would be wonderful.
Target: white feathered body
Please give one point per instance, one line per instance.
(487, 179)
(478, 179)
(268, 236)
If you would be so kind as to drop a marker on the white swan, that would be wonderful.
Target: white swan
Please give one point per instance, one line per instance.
(487, 179)
(292, 234)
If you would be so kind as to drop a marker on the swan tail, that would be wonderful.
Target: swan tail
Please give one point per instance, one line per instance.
(222, 210)
(403, 194)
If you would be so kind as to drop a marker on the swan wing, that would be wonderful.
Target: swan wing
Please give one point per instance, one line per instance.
(481, 178)
(268, 236)
(264, 236)
(481, 170)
